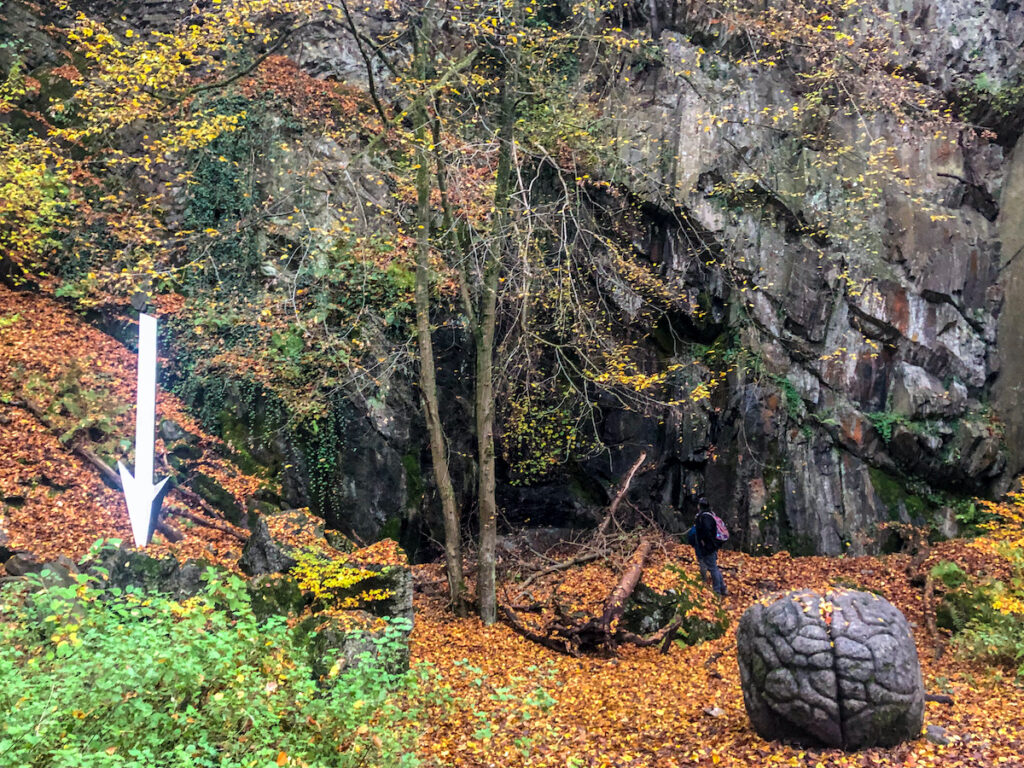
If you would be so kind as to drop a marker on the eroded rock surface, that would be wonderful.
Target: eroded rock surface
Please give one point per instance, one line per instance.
(839, 669)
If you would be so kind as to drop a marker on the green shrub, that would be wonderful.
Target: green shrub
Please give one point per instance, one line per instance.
(997, 639)
(78, 409)
(994, 632)
(97, 678)
(987, 615)
(950, 574)
(702, 619)
(885, 422)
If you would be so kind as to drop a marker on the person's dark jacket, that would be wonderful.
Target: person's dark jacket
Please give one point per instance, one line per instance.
(705, 534)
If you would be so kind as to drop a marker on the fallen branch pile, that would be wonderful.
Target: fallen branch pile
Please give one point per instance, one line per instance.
(574, 635)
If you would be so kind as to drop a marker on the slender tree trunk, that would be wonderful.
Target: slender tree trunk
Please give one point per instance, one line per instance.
(486, 322)
(428, 379)
(486, 584)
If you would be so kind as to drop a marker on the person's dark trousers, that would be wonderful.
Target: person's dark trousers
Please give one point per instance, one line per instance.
(709, 564)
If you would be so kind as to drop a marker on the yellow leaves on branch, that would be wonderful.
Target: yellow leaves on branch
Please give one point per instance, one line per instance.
(1004, 537)
(333, 579)
(32, 194)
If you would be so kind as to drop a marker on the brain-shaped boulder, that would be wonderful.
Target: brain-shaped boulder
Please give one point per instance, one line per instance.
(838, 669)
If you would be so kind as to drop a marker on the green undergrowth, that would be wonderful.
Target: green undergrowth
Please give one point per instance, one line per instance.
(984, 613)
(95, 677)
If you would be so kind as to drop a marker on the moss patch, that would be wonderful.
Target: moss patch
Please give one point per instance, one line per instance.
(897, 498)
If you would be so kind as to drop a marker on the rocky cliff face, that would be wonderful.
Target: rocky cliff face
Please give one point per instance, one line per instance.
(868, 373)
(873, 359)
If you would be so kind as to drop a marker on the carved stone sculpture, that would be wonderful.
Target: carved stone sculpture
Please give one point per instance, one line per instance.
(839, 669)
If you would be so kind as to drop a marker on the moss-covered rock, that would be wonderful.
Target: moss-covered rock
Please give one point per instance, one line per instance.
(339, 641)
(130, 568)
(276, 595)
(218, 497)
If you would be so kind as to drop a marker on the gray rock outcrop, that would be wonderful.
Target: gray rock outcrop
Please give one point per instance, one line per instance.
(839, 670)
(263, 554)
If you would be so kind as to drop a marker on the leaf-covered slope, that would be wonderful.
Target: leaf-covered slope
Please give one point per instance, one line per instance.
(54, 501)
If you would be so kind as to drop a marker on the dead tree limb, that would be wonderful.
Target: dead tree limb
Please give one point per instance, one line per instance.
(615, 605)
(206, 523)
(580, 560)
(602, 529)
(601, 633)
(597, 634)
(663, 636)
(551, 640)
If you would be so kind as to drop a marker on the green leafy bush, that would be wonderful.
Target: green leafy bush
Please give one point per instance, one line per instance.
(987, 614)
(77, 408)
(994, 633)
(964, 603)
(885, 422)
(703, 618)
(96, 678)
(998, 640)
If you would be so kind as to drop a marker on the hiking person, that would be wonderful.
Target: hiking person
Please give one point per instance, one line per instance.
(704, 538)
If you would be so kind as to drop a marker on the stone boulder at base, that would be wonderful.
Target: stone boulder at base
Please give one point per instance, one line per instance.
(839, 670)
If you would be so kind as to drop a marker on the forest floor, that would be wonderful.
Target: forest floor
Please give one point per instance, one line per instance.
(54, 502)
(685, 708)
(493, 698)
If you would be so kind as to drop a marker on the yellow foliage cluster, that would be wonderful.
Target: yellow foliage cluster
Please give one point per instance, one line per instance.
(1006, 536)
(328, 580)
(32, 195)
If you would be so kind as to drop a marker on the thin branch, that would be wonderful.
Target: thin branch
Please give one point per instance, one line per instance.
(252, 67)
(370, 80)
(610, 514)
(580, 560)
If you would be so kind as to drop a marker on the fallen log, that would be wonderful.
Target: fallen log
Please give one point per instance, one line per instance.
(601, 633)
(615, 605)
(600, 533)
(550, 640)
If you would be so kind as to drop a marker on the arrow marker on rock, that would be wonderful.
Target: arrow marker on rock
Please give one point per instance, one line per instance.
(139, 491)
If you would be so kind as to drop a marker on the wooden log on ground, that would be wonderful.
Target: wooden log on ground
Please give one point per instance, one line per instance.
(615, 605)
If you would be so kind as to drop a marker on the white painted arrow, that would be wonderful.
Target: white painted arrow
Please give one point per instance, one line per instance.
(139, 491)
